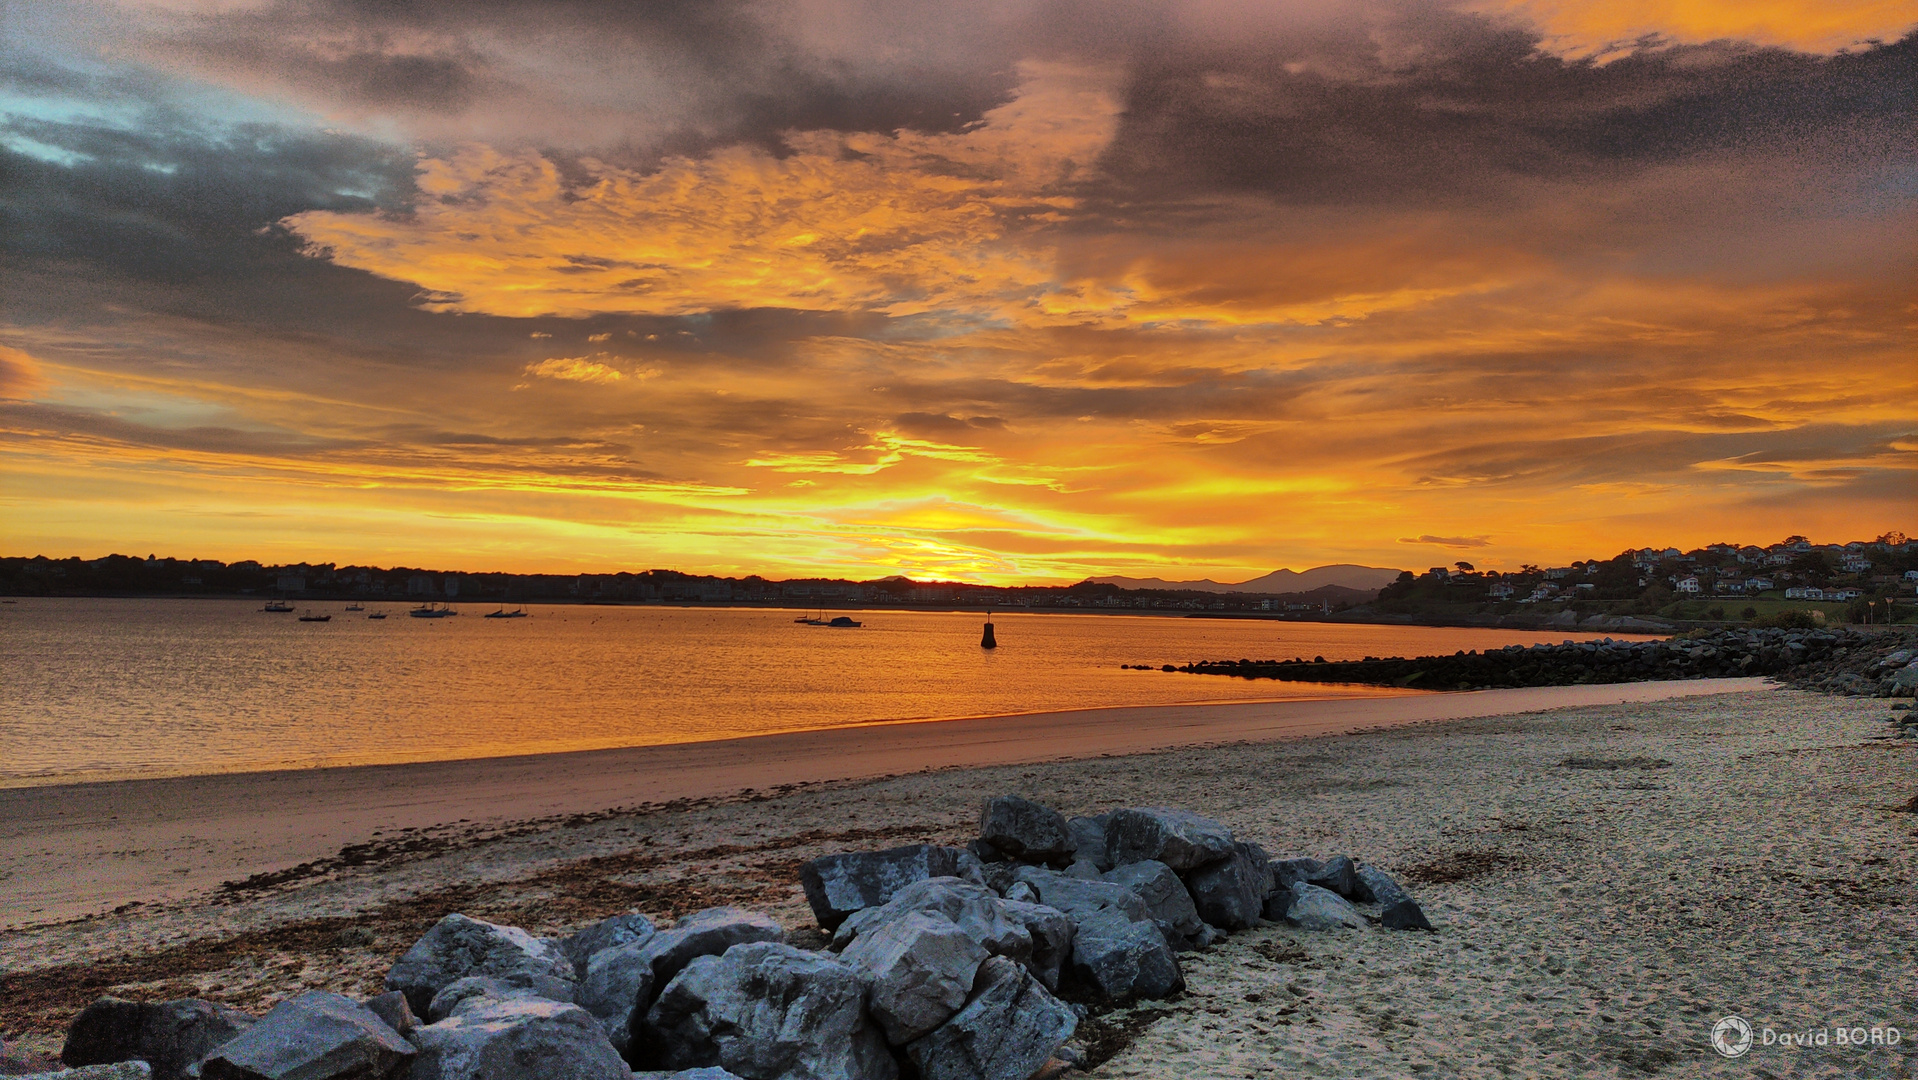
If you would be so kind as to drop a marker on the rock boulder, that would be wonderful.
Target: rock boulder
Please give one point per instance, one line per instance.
(1180, 839)
(918, 970)
(1166, 900)
(1315, 908)
(519, 1039)
(1230, 894)
(168, 1036)
(318, 1035)
(765, 1011)
(838, 885)
(458, 946)
(705, 933)
(1024, 829)
(1007, 1031)
(1397, 909)
(1121, 959)
(605, 934)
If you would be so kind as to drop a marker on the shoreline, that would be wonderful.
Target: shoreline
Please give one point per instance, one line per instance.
(72, 851)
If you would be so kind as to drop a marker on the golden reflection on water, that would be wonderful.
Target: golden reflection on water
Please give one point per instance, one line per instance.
(102, 688)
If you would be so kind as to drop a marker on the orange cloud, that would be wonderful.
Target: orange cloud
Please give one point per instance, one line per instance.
(898, 224)
(1603, 28)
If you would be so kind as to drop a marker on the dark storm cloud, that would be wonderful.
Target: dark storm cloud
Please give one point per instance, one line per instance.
(625, 79)
(1349, 118)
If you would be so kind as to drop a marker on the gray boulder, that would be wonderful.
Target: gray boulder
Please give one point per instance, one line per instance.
(618, 988)
(1231, 894)
(1024, 829)
(1315, 908)
(838, 885)
(1051, 933)
(1397, 909)
(602, 935)
(1166, 900)
(169, 1036)
(710, 1072)
(1077, 895)
(974, 909)
(520, 1039)
(1089, 840)
(1084, 869)
(1006, 1032)
(392, 1008)
(458, 946)
(766, 1010)
(1340, 874)
(318, 1035)
(1287, 871)
(1177, 838)
(119, 1070)
(705, 933)
(918, 970)
(454, 995)
(1122, 959)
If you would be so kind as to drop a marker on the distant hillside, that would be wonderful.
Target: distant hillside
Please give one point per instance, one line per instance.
(1368, 579)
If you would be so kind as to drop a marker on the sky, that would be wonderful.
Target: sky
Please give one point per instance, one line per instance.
(1007, 291)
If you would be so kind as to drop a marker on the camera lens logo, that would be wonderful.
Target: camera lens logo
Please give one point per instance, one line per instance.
(1732, 1037)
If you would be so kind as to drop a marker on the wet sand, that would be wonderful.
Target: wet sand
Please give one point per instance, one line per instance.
(77, 850)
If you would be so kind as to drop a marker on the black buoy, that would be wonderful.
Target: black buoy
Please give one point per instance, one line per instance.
(988, 641)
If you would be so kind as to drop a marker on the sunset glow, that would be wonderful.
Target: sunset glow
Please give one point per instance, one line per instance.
(1015, 294)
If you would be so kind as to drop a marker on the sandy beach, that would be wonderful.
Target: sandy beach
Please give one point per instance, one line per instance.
(1609, 874)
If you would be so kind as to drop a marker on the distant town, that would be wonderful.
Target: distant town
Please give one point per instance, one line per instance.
(1859, 581)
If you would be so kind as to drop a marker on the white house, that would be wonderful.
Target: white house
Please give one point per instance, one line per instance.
(1758, 584)
(1805, 592)
(1500, 591)
(1688, 585)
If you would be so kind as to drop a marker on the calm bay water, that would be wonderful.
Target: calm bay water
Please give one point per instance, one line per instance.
(109, 688)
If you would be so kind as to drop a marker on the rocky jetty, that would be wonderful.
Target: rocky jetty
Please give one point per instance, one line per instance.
(1840, 661)
(945, 963)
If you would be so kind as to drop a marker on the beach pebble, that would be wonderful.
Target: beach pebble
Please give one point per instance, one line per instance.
(169, 1036)
(918, 969)
(1007, 1031)
(618, 930)
(1122, 958)
(523, 1039)
(1316, 908)
(318, 1035)
(837, 886)
(768, 1010)
(1166, 900)
(1178, 838)
(1231, 894)
(458, 946)
(1025, 829)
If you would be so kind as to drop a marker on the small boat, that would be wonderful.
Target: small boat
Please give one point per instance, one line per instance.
(356, 606)
(502, 613)
(844, 621)
(278, 607)
(376, 614)
(308, 616)
(430, 611)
